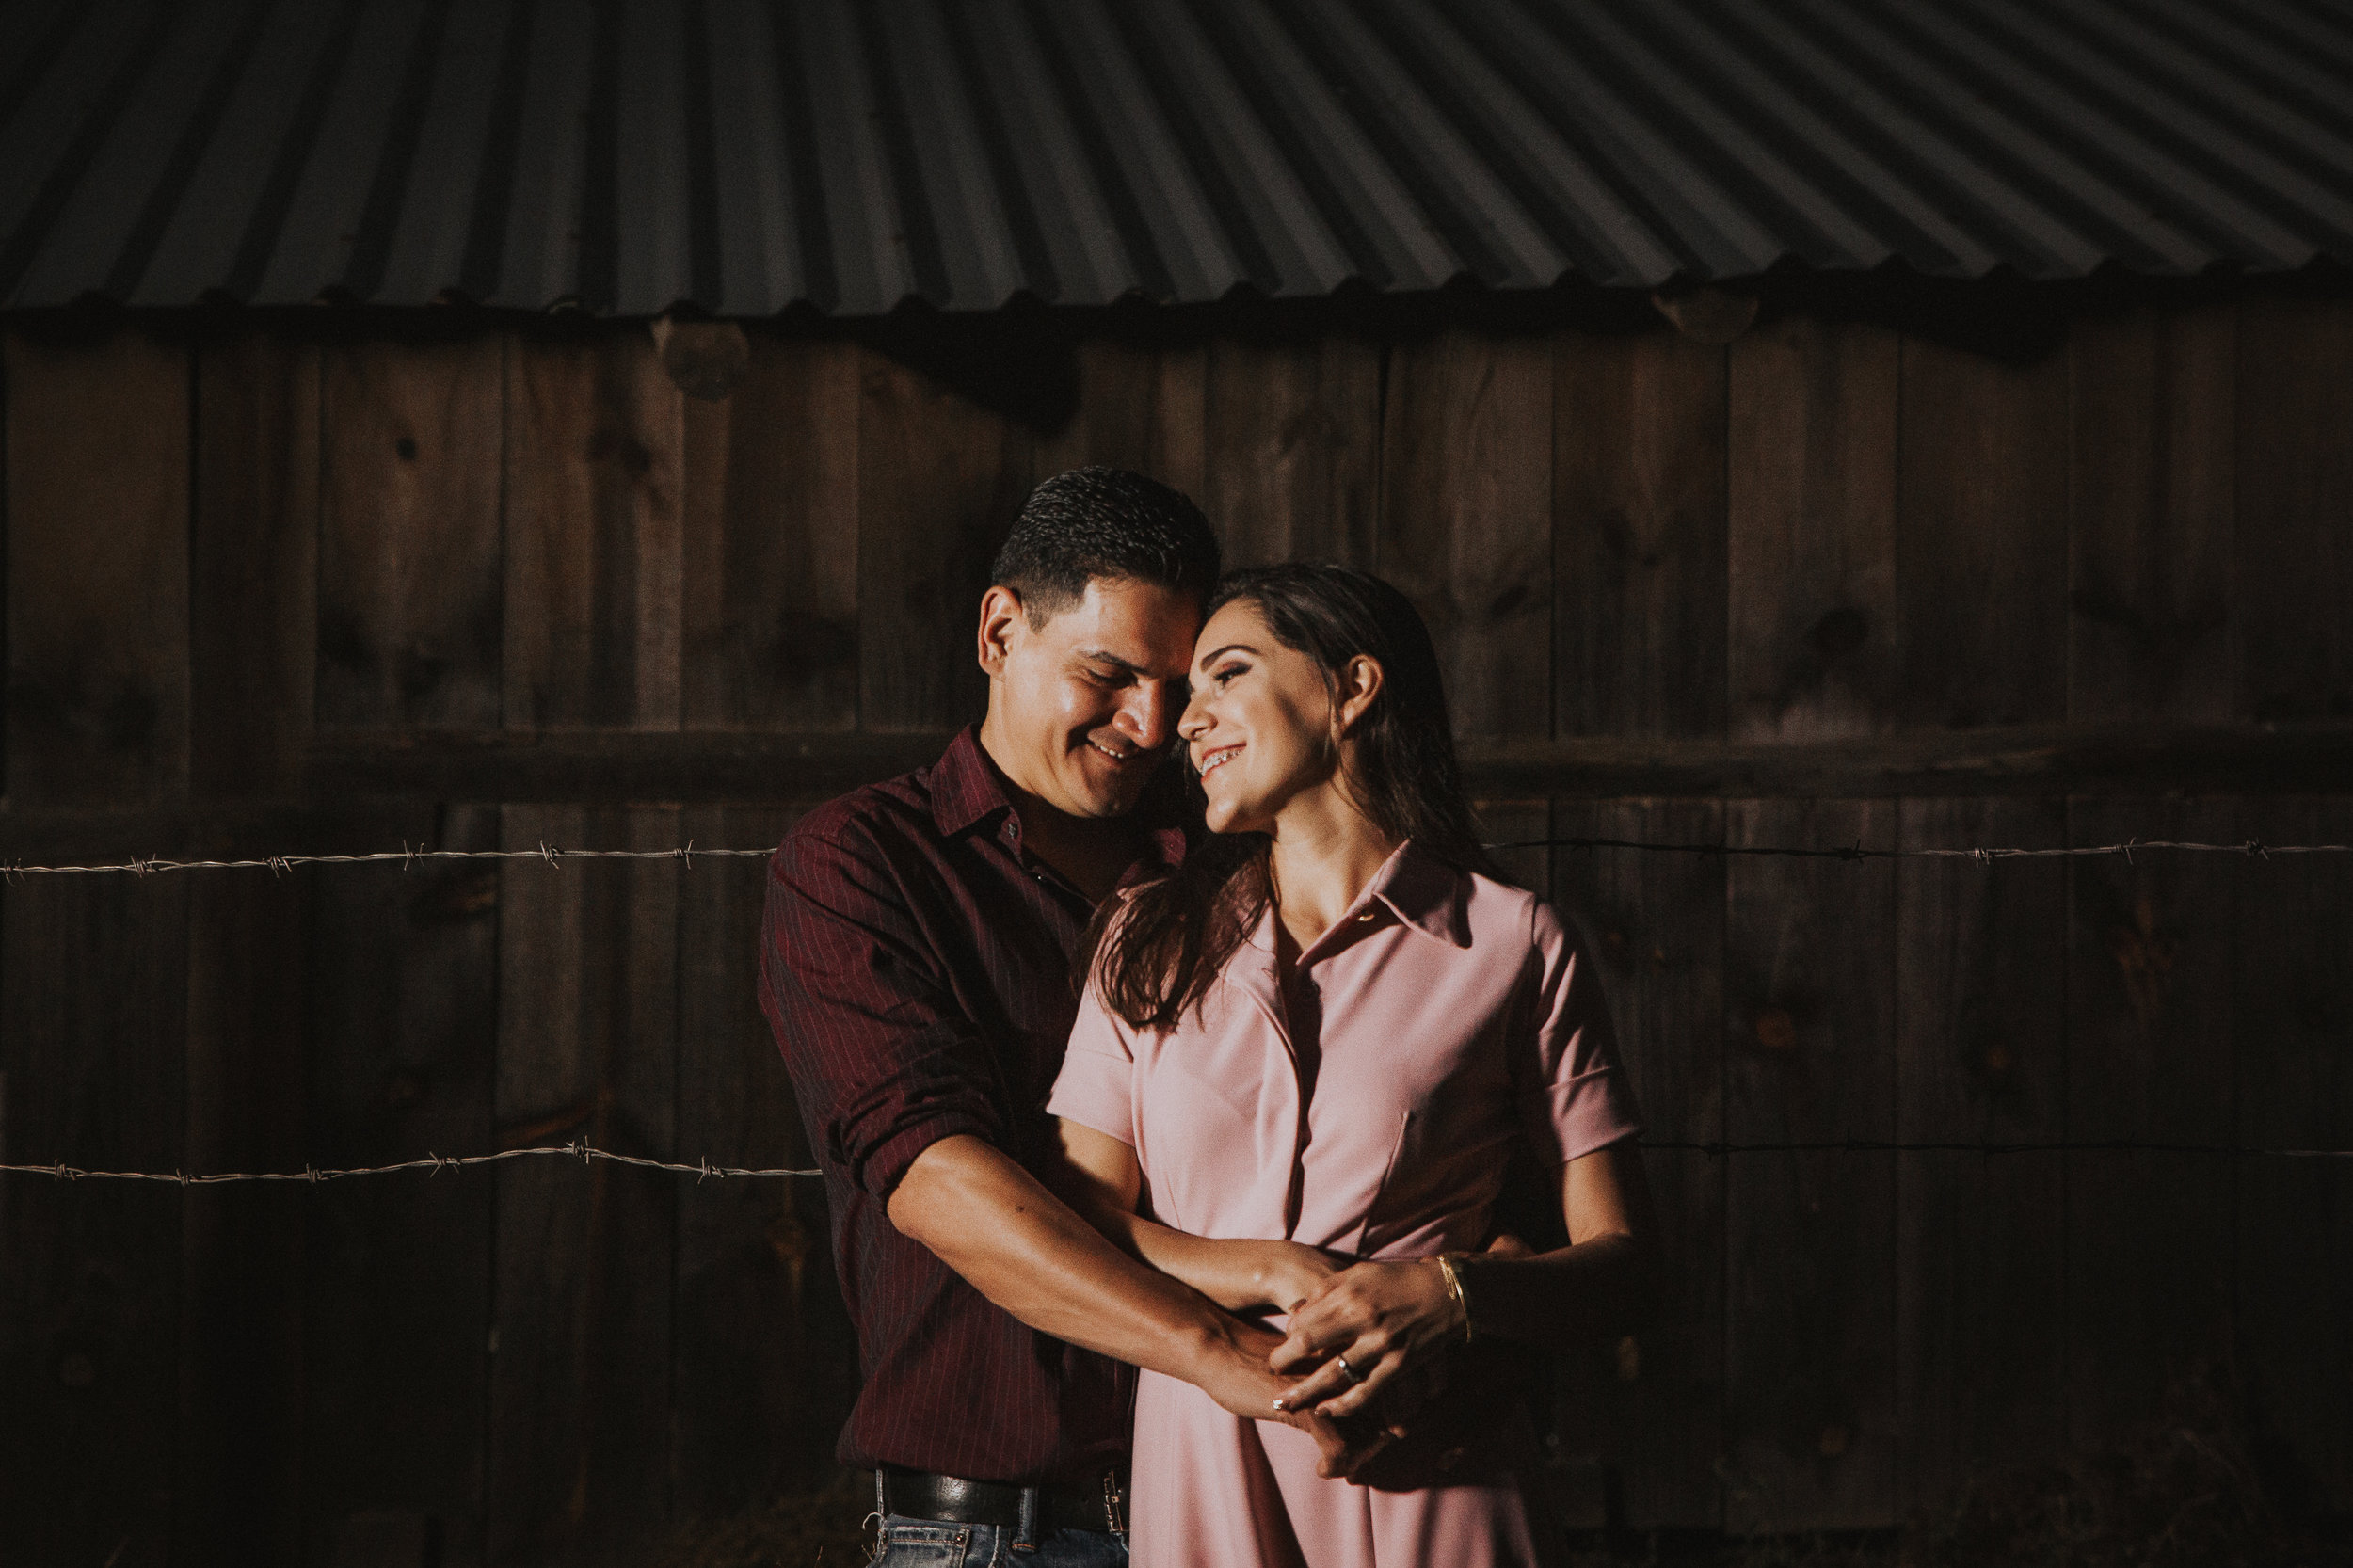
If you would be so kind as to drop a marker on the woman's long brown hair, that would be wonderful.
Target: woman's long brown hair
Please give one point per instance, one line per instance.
(1161, 950)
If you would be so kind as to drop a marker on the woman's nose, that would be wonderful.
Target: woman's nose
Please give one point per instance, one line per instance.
(1196, 720)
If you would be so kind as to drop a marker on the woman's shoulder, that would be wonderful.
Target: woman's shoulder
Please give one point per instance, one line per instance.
(1508, 916)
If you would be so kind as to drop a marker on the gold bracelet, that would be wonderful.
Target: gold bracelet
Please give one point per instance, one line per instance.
(1447, 1261)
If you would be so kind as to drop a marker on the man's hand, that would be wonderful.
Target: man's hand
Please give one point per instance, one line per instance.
(1024, 1249)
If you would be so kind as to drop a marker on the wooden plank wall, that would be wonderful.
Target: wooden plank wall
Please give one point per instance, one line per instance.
(224, 555)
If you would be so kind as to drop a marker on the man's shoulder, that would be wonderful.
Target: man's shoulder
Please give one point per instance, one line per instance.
(870, 820)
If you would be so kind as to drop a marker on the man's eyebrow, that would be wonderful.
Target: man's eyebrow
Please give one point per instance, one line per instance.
(1105, 656)
(1203, 663)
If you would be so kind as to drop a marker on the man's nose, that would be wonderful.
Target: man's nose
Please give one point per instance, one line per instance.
(1148, 715)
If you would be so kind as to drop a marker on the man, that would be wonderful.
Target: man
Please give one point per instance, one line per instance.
(917, 969)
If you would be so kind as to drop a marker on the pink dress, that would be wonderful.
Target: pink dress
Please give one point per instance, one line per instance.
(1369, 1110)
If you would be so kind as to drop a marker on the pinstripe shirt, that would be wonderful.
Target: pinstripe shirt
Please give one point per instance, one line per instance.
(916, 967)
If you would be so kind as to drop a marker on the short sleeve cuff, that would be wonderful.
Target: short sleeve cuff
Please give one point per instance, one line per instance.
(1570, 1119)
(1098, 1091)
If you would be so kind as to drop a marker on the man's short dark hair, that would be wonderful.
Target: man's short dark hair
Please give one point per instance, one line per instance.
(1090, 522)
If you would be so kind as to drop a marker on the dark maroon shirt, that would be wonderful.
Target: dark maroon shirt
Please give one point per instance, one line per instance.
(915, 967)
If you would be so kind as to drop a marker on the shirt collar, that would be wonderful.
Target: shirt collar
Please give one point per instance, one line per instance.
(967, 789)
(965, 785)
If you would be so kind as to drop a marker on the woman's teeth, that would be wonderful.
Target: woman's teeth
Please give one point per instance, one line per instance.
(1217, 759)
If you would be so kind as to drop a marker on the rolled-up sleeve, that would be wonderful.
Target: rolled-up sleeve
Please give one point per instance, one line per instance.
(883, 1060)
(1574, 1097)
(1096, 1085)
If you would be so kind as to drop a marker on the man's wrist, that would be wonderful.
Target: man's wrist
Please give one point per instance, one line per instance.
(1216, 1343)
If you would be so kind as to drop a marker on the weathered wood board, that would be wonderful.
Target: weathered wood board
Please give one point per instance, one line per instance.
(1466, 527)
(2292, 1081)
(1292, 461)
(404, 998)
(2155, 614)
(1652, 1407)
(2149, 1059)
(409, 576)
(93, 1049)
(2294, 485)
(1809, 1037)
(587, 1049)
(253, 566)
(764, 1365)
(939, 483)
(97, 558)
(595, 574)
(1139, 407)
(238, 1482)
(1982, 510)
(1811, 639)
(1980, 956)
(771, 530)
(1639, 538)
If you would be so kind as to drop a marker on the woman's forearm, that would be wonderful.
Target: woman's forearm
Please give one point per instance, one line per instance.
(1607, 1285)
(1238, 1275)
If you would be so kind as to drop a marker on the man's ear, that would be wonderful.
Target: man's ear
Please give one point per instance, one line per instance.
(1360, 682)
(1002, 619)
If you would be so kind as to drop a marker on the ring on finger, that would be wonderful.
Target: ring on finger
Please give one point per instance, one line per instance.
(1354, 1376)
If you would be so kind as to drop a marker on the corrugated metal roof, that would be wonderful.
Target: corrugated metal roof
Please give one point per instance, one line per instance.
(746, 155)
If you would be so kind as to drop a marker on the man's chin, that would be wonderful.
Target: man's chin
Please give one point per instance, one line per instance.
(1101, 799)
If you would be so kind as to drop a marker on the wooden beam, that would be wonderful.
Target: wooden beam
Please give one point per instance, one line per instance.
(2111, 759)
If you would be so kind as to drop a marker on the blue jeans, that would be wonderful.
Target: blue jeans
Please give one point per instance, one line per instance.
(930, 1543)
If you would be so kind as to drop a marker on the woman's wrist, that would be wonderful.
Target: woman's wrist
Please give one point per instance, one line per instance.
(1451, 1268)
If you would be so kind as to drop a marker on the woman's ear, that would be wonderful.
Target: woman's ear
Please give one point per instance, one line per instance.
(1360, 680)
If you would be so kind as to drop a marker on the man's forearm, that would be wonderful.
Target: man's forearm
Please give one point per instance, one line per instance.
(1031, 1254)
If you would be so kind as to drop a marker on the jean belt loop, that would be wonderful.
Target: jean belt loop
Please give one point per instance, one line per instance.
(1027, 1534)
(881, 1512)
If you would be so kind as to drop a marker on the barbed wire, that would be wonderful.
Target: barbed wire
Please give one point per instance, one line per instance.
(2253, 849)
(432, 1163)
(703, 1170)
(152, 865)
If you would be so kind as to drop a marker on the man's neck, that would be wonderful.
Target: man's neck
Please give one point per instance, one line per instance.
(1091, 853)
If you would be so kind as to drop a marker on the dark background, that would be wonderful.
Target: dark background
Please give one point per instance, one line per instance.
(2040, 575)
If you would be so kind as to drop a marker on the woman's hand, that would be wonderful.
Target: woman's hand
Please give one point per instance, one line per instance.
(1362, 1328)
(1284, 1274)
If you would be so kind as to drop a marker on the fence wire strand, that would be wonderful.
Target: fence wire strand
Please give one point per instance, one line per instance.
(2251, 849)
(703, 1170)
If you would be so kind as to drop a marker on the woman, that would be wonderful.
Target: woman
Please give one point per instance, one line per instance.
(1317, 1042)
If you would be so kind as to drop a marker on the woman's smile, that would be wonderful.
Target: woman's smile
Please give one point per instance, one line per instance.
(1218, 756)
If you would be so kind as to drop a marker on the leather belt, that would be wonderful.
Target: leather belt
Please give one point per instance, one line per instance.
(952, 1500)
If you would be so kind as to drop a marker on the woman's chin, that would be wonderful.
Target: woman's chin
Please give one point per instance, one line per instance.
(1226, 816)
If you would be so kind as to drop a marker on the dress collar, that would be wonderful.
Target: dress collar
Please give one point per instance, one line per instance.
(1418, 888)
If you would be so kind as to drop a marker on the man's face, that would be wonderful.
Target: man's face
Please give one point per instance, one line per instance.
(1082, 709)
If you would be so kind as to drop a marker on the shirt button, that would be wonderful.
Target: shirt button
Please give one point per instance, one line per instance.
(1365, 916)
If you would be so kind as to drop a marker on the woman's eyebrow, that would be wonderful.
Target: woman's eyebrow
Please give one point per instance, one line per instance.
(1203, 662)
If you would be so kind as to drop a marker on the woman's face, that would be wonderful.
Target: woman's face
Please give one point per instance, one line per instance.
(1258, 728)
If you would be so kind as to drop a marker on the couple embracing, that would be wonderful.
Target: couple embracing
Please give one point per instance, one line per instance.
(1164, 1045)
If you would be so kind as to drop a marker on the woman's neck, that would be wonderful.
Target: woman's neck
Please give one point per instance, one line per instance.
(1325, 853)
